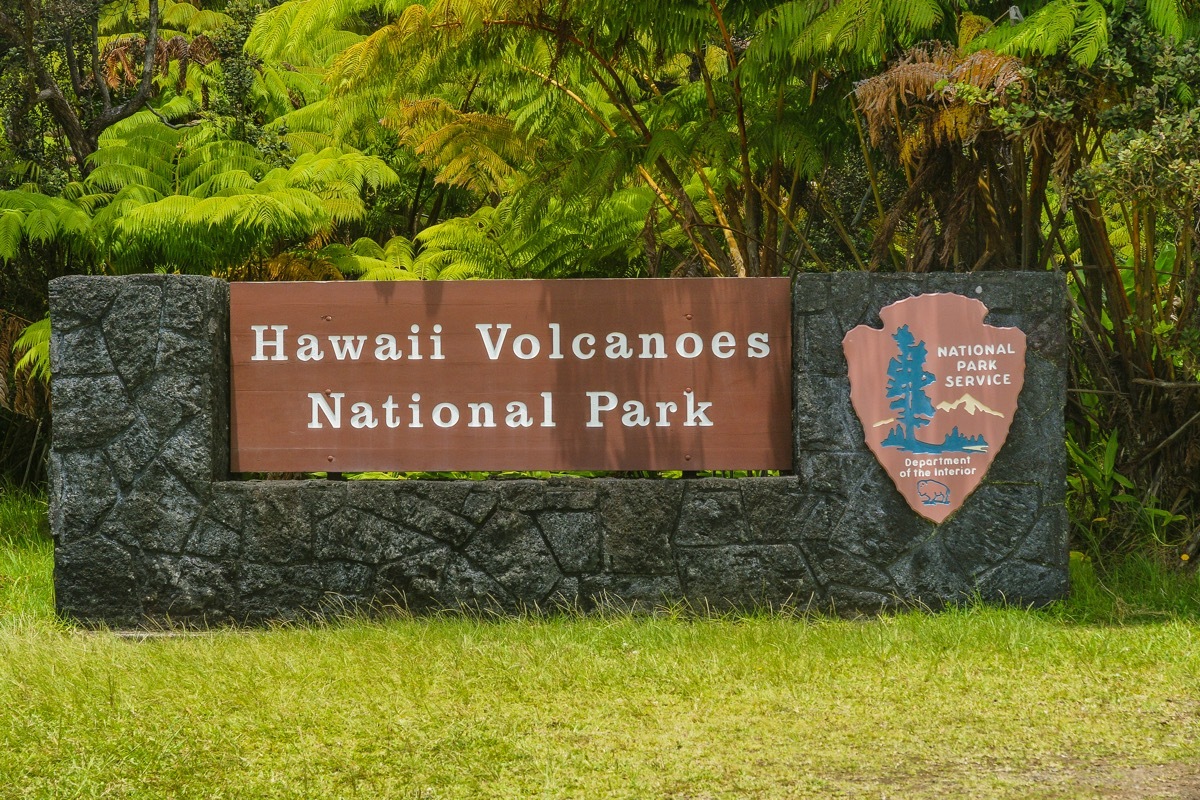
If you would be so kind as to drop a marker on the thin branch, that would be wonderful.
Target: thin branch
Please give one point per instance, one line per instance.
(739, 264)
(579, 101)
(72, 62)
(1167, 384)
(799, 235)
(97, 75)
(1178, 432)
(873, 178)
(831, 214)
(709, 94)
(751, 223)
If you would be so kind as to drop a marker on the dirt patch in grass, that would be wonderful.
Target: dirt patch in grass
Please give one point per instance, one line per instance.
(1163, 780)
(1052, 778)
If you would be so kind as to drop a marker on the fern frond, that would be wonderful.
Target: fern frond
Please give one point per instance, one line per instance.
(398, 252)
(177, 15)
(367, 248)
(1091, 34)
(34, 345)
(390, 273)
(11, 233)
(207, 21)
(1167, 16)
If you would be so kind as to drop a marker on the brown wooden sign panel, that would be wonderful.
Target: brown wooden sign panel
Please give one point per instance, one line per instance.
(935, 390)
(499, 375)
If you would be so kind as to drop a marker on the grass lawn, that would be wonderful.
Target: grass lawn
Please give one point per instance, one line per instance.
(1096, 697)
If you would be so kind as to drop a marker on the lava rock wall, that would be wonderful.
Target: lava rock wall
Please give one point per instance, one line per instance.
(150, 528)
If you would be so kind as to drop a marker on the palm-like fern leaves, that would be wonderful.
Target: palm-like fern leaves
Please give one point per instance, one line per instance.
(850, 32)
(566, 239)
(28, 217)
(193, 199)
(1079, 28)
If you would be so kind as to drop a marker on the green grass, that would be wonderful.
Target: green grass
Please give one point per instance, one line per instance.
(26, 562)
(1095, 697)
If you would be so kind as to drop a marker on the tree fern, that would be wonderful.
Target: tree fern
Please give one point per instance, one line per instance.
(365, 259)
(465, 247)
(288, 31)
(28, 217)
(192, 198)
(12, 233)
(1079, 28)
(1044, 32)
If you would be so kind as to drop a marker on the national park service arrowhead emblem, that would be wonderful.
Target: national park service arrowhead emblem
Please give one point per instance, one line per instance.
(935, 390)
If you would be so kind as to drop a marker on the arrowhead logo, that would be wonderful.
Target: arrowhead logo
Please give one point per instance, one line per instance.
(935, 390)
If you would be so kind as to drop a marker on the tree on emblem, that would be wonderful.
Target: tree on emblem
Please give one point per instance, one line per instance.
(907, 380)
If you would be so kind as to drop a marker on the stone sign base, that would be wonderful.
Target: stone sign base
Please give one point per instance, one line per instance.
(150, 529)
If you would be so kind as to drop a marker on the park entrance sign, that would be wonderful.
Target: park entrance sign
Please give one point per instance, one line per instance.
(511, 375)
(159, 515)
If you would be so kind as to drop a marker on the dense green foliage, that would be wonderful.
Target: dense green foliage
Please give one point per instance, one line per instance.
(395, 139)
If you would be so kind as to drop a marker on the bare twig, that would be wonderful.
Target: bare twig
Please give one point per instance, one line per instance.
(1178, 432)
(1167, 384)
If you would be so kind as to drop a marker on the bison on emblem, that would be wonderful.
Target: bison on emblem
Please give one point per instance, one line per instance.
(933, 493)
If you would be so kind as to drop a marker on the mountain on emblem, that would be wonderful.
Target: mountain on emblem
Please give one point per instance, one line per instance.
(967, 404)
(935, 390)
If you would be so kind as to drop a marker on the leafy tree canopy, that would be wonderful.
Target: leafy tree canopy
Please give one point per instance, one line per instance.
(393, 139)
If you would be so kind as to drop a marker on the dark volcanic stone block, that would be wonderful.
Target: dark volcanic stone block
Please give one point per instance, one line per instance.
(639, 519)
(91, 411)
(776, 508)
(76, 302)
(628, 592)
(98, 580)
(81, 352)
(82, 489)
(712, 516)
(155, 515)
(350, 535)
(747, 576)
(129, 453)
(987, 529)
(571, 494)
(131, 330)
(822, 418)
(437, 577)
(277, 527)
(425, 514)
(1023, 584)
(510, 548)
(574, 536)
(930, 575)
(189, 588)
(832, 566)
(273, 591)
